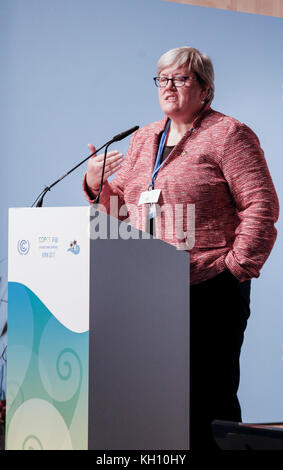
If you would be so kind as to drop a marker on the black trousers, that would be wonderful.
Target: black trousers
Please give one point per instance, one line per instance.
(219, 309)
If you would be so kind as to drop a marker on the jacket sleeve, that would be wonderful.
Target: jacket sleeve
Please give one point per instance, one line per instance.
(246, 172)
(112, 194)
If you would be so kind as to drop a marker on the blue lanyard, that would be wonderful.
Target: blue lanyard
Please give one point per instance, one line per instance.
(158, 165)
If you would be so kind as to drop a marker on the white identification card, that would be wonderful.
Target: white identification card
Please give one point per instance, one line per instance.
(150, 197)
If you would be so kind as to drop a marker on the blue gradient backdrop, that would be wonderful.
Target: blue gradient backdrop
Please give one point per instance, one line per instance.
(74, 72)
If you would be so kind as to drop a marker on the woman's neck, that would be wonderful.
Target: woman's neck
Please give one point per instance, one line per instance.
(177, 131)
(179, 127)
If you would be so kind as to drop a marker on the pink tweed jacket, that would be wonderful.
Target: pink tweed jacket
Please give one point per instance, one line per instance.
(221, 171)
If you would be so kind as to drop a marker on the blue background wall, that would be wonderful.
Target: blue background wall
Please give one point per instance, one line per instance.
(74, 72)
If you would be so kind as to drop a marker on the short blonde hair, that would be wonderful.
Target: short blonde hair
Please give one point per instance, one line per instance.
(198, 63)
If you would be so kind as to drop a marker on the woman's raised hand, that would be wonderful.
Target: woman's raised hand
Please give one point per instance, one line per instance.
(95, 166)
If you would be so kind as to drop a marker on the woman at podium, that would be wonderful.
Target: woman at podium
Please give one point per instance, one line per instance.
(199, 158)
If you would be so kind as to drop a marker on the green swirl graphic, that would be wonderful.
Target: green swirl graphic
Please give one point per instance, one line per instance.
(55, 373)
(32, 443)
(67, 364)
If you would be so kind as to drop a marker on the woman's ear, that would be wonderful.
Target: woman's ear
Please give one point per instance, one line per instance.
(204, 94)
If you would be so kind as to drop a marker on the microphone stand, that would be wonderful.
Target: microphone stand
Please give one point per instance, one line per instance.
(96, 201)
(39, 200)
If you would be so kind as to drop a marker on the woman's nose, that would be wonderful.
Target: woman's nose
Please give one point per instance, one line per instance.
(170, 83)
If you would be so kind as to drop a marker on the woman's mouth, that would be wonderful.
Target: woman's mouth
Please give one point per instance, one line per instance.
(171, 98)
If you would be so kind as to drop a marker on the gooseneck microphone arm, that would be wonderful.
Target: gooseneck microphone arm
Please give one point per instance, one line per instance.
(39, 200)
(96, 201)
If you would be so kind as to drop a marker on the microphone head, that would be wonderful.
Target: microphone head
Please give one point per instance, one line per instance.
(125, 134)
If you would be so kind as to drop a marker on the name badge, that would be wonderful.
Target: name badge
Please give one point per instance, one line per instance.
(150, 197)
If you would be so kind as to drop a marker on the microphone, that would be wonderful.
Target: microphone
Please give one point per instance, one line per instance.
(116, 138)
(125, 134)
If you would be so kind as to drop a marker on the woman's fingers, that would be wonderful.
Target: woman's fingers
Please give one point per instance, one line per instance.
(92, 149)
(95, 166)
(111, 169)
(110, 155)
(111, 161)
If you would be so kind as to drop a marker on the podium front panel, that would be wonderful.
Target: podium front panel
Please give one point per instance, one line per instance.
(139, 344)
(48, 323)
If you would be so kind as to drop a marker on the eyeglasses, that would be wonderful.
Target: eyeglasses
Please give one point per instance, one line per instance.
(162, 82)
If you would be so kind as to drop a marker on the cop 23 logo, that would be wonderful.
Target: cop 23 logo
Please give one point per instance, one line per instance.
(23, 247)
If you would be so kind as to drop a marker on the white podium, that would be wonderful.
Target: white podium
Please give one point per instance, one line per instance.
(98, 334)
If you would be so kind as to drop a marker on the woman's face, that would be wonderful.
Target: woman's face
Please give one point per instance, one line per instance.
(181, 103)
